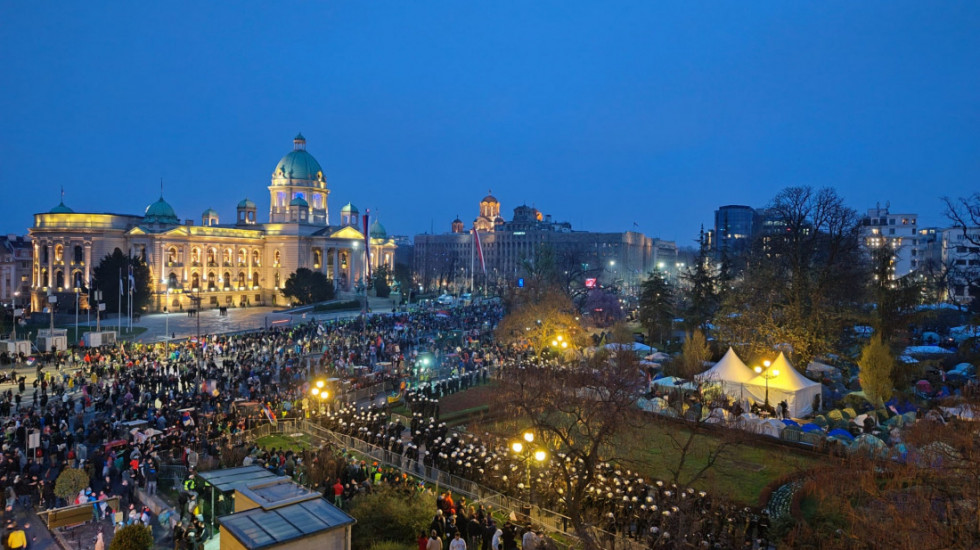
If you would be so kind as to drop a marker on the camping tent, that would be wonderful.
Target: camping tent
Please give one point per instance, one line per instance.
(730, 373)
(789, 385)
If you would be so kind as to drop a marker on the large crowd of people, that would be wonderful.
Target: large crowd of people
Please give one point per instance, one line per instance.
(126, 414)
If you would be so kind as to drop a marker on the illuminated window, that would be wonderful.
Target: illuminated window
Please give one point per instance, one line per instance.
(59, 252)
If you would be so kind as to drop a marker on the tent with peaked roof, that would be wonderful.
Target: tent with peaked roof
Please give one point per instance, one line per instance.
(788, 385)
(730, 373)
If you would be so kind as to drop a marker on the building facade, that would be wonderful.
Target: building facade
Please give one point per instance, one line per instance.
(899, 232)
(961, 256)
(225, 264)
(15, 269)
(451, 260)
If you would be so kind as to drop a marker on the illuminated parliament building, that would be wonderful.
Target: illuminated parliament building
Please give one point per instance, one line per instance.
(227, 264)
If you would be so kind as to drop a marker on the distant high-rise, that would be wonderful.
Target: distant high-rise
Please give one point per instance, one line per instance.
(735, 225)
(880, 228)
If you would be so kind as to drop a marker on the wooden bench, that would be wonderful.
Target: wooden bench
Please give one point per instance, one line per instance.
(77, 514)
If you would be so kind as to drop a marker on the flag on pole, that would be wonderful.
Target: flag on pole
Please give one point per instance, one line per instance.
(479, 250)
(367, 243)
(269, 414)
(132, 280)
(120, 282)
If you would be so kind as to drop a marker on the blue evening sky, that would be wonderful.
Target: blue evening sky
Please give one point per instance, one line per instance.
(599, 113)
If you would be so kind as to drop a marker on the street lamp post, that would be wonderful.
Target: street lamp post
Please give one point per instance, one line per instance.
(767, 373)
(523, 449)
(320, 394)
(16, 294)
(166, 311)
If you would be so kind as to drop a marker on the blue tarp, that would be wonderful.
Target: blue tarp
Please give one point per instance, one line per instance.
(810, 427)
(839, 433)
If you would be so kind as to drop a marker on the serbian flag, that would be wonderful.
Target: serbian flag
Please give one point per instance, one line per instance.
(269, 414)
(367, 242)
(185, 418)
(479, 250)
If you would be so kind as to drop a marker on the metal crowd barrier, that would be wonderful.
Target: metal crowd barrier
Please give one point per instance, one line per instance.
(549, 520)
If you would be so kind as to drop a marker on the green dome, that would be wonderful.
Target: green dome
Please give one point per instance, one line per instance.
(349, 209)
(377, 231)
(246, 203)
(61, 209)
(299, 201)
(160, 212)
(298, 164)
(209, 212)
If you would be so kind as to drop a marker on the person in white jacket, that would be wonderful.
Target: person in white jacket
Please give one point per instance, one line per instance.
(495, 541)
(457, 543)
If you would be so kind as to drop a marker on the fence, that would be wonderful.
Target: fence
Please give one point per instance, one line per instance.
(549, 521)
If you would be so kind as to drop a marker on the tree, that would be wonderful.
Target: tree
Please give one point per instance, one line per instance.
(308, 287)
(539, 322)
(656, 306)
(582, 421)
(895, 299)
(113, 271)
(70, 482)
(386, 514)
(381, 277)
(694, 353)
(803, 280)
(132, 537)
(876, 364)
(702, 294)
(964, 212)
(604, 307)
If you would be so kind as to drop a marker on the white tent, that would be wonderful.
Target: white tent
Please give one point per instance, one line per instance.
(730, 373)
(788, 385)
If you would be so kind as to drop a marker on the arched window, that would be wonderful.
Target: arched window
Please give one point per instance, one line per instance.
(59, 279)
(77, 279)
(172, 281)
(275, 259)
(228, 256)
(241, 279)
(172, 254)
(242, 256)
(317, 258)
(211, 281)
(79, 255)
(255, 258)
(196, 255)
(255, 280)
(195, 281)
(277, 279)
(59, 253)
(44, 254)
(44, 277)
(212, 256)
(226, 280)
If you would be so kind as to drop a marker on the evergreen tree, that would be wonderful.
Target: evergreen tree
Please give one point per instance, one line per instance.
(381, 276)
(112, 272)
(308, 287)
(656, 306)
(702, 295)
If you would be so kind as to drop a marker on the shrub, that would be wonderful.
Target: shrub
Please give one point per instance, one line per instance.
(70, 482)
(391, 545)
(132, 537)
(387, 514)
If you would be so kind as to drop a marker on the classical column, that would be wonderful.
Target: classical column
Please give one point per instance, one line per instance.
(336, 265)
(50, 282)
(88, 263)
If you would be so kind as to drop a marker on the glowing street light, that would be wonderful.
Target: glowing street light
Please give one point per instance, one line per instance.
(766, 373)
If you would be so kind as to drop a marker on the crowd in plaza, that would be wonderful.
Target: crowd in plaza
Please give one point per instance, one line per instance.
(123, 414)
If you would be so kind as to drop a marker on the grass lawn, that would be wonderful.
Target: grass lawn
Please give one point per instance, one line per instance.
(741, 473)
(286, 442)
(743, 470)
